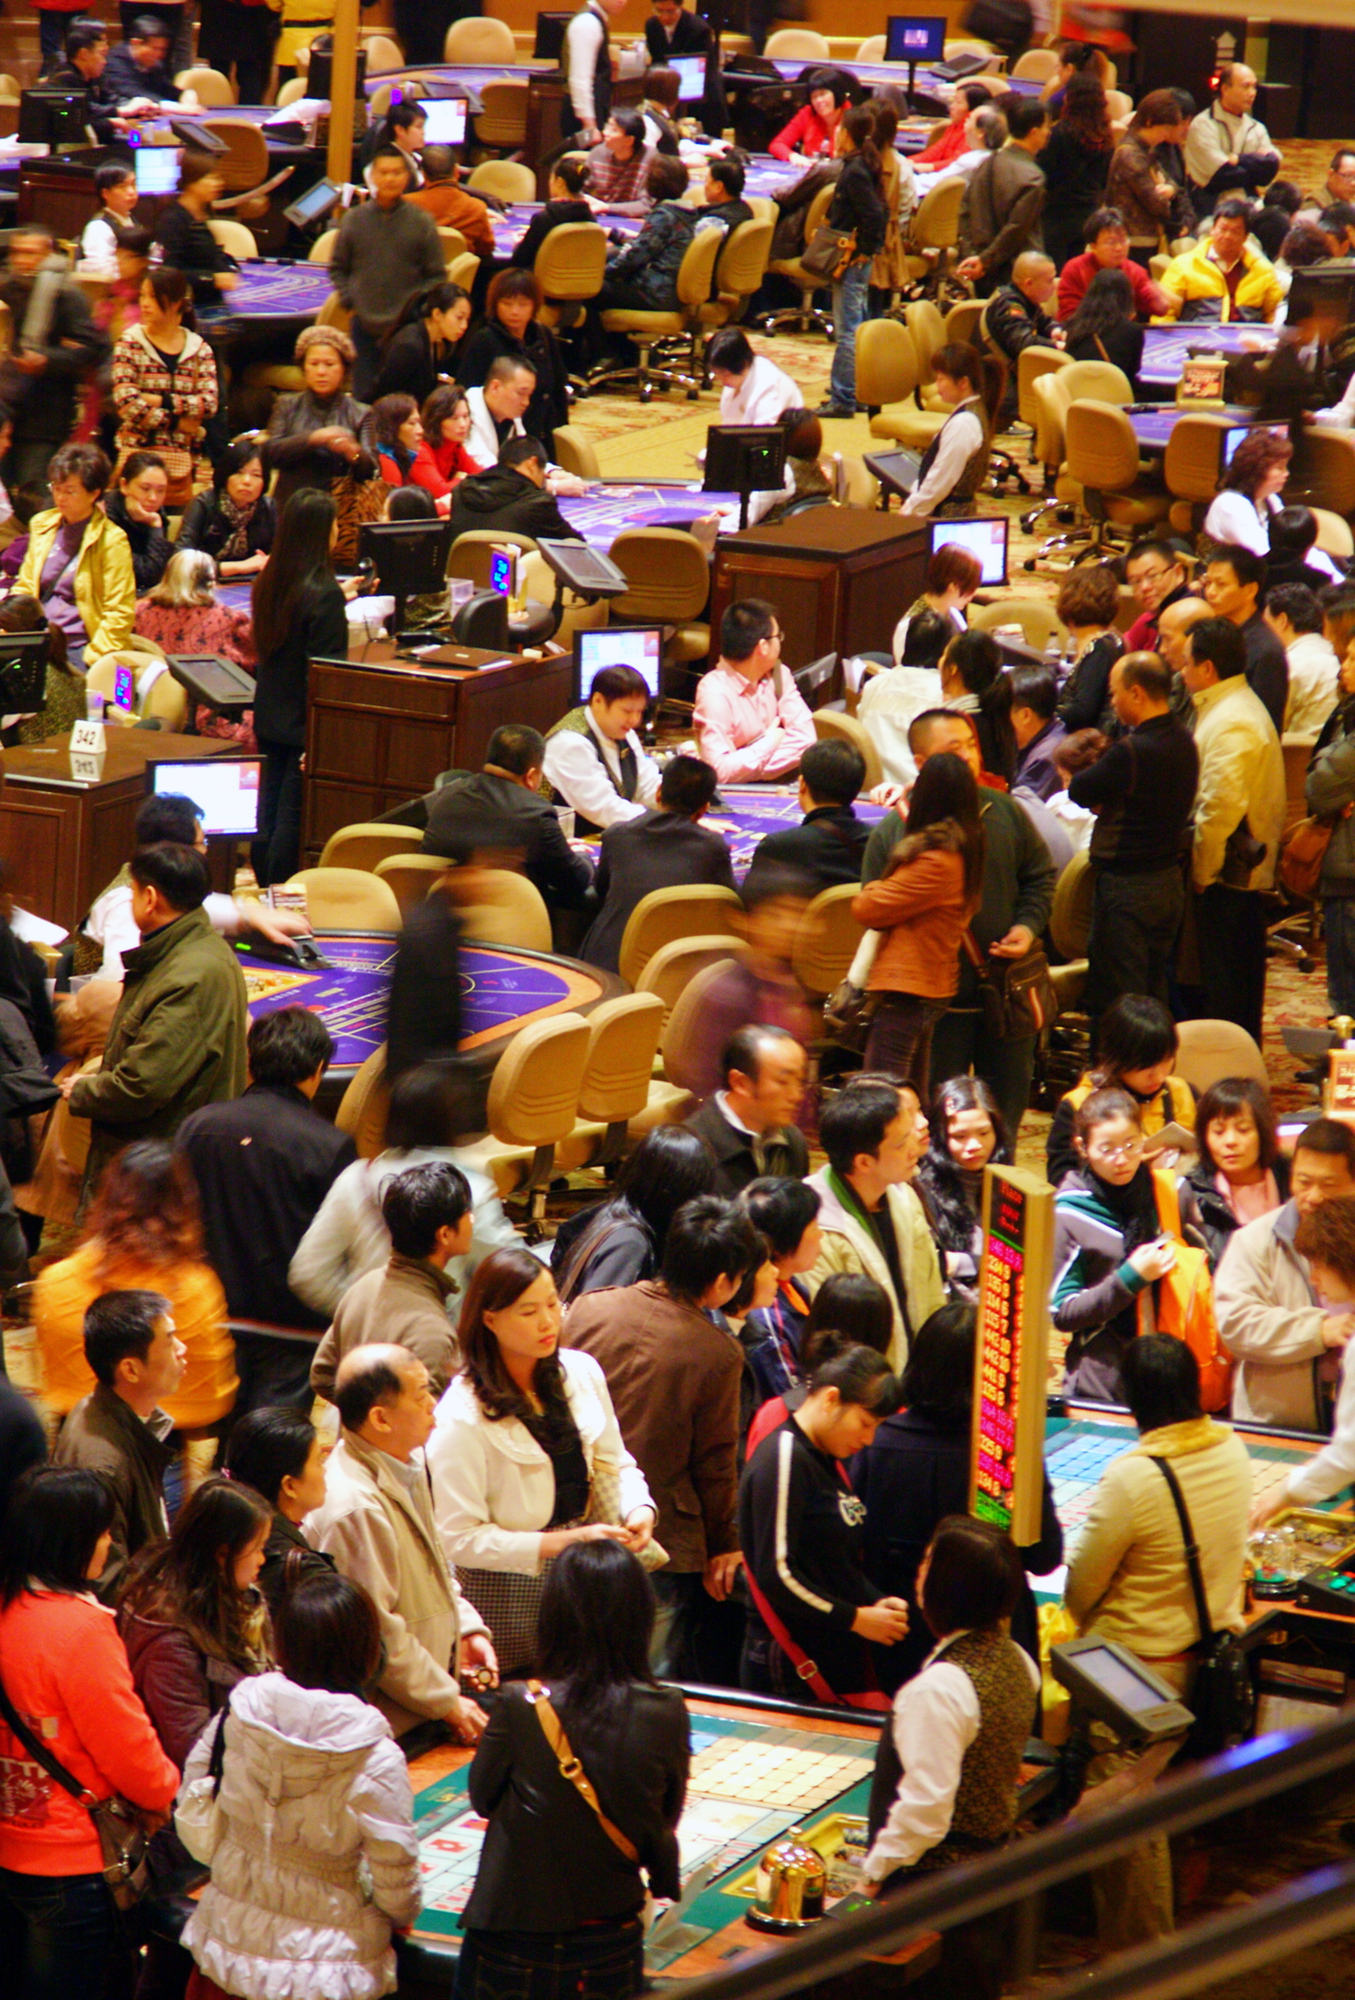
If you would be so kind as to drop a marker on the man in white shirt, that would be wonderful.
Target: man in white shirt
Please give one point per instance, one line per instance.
(588, 66)
(890, 702)
(1295, 617)
(594, 759)
(1226, 147)
(753, 390)
(497, 410)
(751, 719)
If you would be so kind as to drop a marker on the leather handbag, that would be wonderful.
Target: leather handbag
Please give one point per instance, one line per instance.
(1016, 994)
(571, 1770)
(123, 1839)
(604, 1505)
(828, 253)
(1305, 850)
(1222, 1698)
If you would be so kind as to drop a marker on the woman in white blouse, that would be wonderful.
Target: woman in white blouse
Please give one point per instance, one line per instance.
(526, 1448)
(1250, 492)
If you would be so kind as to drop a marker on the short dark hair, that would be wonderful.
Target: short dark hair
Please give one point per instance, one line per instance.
(1220, 643)
(663, 86)
(1148, 672)
(666, 178)
(974, 1575)
(419, 1202)
(1024, 115)
(52, 1525)
(928, 635)
(856, 1120)
(687, 786)
(87, 33)
(617, 684)
(1232, 209)
(1298, 604)
(1293, 532)
(861, 1375)
(630, 122)
(745, 624)
(938, 1381)
(709, 1238)
(505, 366)
(429, 1106)
(781, 1209)
(148, 28)
(167, 816)
(1327, 1236)
(391, 152)
(852, 1304)
(833, 771)
(516, 747)
(522, 450)
(1329, 1136)
(84, 462)
(1337, 217)
(731, 176)
(1037, 689)
(730, 348)
(109, 176)
(1135, 1032)
(438, 163)
(178, 872)
(327, 1632)
(375, 1381)
(119, 1325)
(1225, 1099)
(743, 1050)
(1102, 218)
(288, 1046)
(267, 1446)
(1161, 1381)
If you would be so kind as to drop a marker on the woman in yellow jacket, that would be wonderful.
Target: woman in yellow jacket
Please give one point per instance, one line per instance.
(79, 565)
(143, 1234)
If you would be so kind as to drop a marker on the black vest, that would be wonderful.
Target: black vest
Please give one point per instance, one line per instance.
(960, 499)
(602, 82)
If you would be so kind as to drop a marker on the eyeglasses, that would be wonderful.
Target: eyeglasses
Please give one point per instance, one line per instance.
(1148, 576)
(1114, 1154)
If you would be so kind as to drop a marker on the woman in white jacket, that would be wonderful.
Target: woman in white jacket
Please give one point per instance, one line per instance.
(311, 1844)
(525, 1449)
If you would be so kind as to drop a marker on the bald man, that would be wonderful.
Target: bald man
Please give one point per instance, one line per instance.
(1016, 311)
(377, 1523)
(1174, 622)
(1227, 150)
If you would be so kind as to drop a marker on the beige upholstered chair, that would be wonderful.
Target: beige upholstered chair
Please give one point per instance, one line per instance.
(366, 842)
(696, 910)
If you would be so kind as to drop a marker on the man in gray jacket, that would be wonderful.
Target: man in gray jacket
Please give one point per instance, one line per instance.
(1004, 200)
(387, 251)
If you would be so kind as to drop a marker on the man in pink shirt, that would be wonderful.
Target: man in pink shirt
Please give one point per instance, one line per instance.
(751, 720)
(1107, 241)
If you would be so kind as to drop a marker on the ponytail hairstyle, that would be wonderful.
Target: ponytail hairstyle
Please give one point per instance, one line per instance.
(858, 122)
(572, 173)
(859, 1374)
(976, 658)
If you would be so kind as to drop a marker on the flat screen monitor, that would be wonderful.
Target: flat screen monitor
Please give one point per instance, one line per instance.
(320, 70)
(550, 36)
(196, 137)
(23, 671)
(915, 38)
(984, 539)
(638, 646)
(744, 458)
(444, 120)
(314, 205)
(1116, 1678)
(52, 117)
(157, 169)
(897, 471)
(224, 789)
(409, 557)
(691, 73)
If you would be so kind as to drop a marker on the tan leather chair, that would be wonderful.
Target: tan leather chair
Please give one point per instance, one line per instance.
(739, 271)
(470, 552)
(1103, 456)
(570, 267)
(696, 910)
(1209, 1050)
(797, 45)
(1036, 65)
(244, 168)
(1190, 467)
(1031, 363)
(934, 234)
(506, 180)
(454, 245)
(1036, 616)
(624, 1040)
(831, 724)
(364, 1106)
(234, 238)
(684, 1049)
(165, 699)
(1297, 752)
(290, 91)
(870, 49)
(464, 270)
(504, 908)
(963, 321)
(209, 86)
(647, 329)
(366, 842)
(347, 899)
(827, 939)
(533, 1103)
(1070, 928)
(575, 452)
(856, 485)
(1099, 382)
(805, 315)
(1329, 471)
(674, 966)
(411, 876)
(502, 120)
(928, 330)
(479, 40)
(1334, 535)
(383, 52)
(887, 359)
(669, 584)
(322, 250)
(335, 313)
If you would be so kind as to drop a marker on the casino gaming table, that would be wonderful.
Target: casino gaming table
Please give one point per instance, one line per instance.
(268, 293)
(1166, 349)
(605, 510)
(1153, 425)
(748, 813)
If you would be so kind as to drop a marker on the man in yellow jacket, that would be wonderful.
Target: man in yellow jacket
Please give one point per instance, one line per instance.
(1223, 279)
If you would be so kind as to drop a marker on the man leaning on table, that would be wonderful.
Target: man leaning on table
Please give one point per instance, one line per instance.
(751, 719)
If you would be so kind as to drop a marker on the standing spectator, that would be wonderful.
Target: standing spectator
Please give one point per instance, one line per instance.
(512, 329)
(377, 1523)
(239, 34)
(674, 1381)
(1104, 328)
(1153, 205)
(921, 906)
(135, 507)
(1088, 602)
(1156, 572)
(1241, 1173)
(78, 565)
(967, 1135)
(387, 251)
(1143, 793)
(314, 436)
(759, 989)
(828, 845)
(1226, 147)
(1249, 492)
(1018, 890)
(618, 166)
(55, 346)
(23, 1440)
(1002, 207)
(61, 1660)
(666, 847)
(1016, 316)
(621, 1241)
(751, 720)
(858, 207)
(178, 1037)
(1222, 279)
(871, 1221)
(749, 1125)
(525, 1437)
(308, 1756)
(1137, 1046)
(847, 1306)
(1075, 161)
(299, 614)
(280, 1455)
(263, 1164)
(1037, 729)
(1330, 788)
(165, 385)
(119, 1430)
(587, 62)
(785, 1212)
(187, 244)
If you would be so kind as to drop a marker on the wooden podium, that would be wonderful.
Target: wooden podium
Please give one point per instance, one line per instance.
(379, 729)
(839, 577)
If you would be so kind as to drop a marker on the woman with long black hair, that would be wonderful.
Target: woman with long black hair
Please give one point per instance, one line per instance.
(558, 1898)
(299, 612)
(973, 683)
(1104, 327)
(621, 1241)
(425, 345)
(1075, 161)
(969, 1133)
(922, 904)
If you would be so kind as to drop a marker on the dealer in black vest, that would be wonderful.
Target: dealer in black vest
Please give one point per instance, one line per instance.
(587, 62)
(594, 759)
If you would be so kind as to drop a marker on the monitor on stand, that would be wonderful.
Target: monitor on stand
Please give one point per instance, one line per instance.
(745, 459)
(409, 559)
(915, 38)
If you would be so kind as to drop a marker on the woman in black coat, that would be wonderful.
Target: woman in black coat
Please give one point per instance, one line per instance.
(1241, 1172)
(1076, 161)
(135, 506)
(917, 1472)
(1104, 328)
(565, 203)
(511, 328)
(235, 523)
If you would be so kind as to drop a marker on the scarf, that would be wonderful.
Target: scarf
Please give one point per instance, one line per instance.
(1133, 1206)
(235, 548)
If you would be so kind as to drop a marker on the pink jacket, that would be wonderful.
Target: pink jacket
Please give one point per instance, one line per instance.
(747, 731)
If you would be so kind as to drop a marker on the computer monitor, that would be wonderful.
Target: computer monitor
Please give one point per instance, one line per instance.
(225, 790)
(320, 72)
(444, 120)
(196, 137)
(638, 646)
(897, 471)
(984, 538)
(314, 205)
(157, 169)
(23, 671)
(409, 557)
(915, 38)
(744, 459)
(550, 36)
(691, 73)
(52, 117)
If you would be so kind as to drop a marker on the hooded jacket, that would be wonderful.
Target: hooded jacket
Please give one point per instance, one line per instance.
(316, 1856)
(1271, 1324)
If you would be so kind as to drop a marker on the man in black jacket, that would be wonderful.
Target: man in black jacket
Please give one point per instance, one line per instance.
(55, 345)
(1233, 582)
(83, 69)
(662, 849)
(829, 844)
(263, 1164)
(23, 1442)
(1016, 312)
(512, 495)
(1143, 793)
(749, 1126)
(423, 1019)
(673, 30)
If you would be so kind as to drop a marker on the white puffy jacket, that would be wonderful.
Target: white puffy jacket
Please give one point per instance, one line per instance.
(316, 1856)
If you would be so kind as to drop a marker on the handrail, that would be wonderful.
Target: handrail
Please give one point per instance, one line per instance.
(1201, 1792)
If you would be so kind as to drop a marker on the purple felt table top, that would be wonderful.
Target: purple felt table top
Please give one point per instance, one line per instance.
(1166, 349)
(600, 516)
(1154, 427)
(746, 814)
(878, 72)
(269, 290)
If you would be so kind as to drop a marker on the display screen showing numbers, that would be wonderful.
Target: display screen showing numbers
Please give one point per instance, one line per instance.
(1000, 1357)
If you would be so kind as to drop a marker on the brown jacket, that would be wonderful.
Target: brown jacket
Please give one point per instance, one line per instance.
(1153, 207)
(674, 1382)
(105, 1435)
(404, 1304)
(452, 208)
(922, 911)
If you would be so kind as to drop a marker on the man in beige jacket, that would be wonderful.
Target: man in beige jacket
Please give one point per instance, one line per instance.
(377, 1523)
(1239, 814)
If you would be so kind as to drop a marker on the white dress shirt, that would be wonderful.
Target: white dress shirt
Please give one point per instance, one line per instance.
(583, 38)
(571, 767)
(111, 924)
(889, 702)
(1232, 517)
(764, 396)
(936, 1718)
(1313, 692)
(482, 440)
(958, 439)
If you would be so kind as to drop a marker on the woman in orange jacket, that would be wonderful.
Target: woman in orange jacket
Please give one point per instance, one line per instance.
(922, 905)
(143, 1234)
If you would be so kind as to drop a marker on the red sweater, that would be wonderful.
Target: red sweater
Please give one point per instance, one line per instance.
(438, 468)
(65, 1669)
(807, 134)
(1078, 273)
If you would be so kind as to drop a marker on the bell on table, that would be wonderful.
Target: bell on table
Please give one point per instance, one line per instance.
(791, 1881)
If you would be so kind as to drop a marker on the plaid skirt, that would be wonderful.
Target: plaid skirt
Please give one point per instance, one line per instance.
(510, 1603)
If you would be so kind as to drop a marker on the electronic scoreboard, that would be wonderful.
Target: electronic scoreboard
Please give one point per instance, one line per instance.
(1012, 1354)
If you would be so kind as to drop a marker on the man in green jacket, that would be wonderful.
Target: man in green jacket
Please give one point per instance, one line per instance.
(178, 1037)
(1018, 893)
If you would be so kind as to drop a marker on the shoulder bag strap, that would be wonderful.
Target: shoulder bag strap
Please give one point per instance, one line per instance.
(572, 1770)
(41, 1755)
(1192, 1550)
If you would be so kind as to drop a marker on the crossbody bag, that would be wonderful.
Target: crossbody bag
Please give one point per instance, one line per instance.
(1222, 1698)
(572, 1771)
